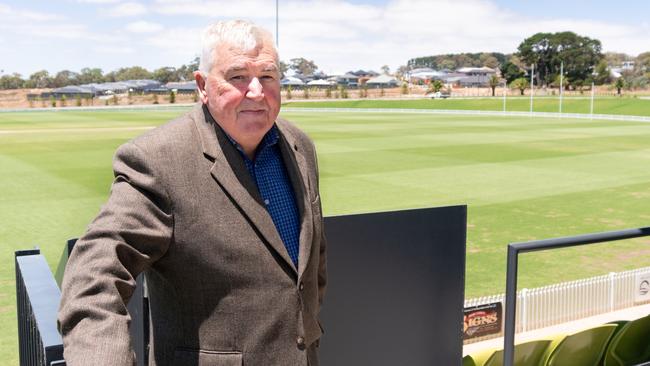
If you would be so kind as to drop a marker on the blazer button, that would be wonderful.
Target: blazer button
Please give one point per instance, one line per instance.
(301, 286)
(300, 341)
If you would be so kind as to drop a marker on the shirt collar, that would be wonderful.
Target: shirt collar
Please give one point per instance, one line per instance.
(270, 138)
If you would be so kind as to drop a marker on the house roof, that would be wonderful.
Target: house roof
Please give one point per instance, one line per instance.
(382, 79)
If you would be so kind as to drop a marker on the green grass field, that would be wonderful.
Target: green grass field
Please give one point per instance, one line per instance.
(605, 105)
(521, 178)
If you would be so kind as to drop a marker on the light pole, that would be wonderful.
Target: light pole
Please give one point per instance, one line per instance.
(561, 85)
(532, 88)
(277, 33)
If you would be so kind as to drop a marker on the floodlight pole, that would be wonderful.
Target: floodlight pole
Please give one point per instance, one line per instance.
(561, 85)
(532, 88)
(277, 33)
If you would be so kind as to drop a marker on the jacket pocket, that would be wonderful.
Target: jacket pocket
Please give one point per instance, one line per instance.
(201, 357)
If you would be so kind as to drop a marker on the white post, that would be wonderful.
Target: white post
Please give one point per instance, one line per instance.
(591, 107)
(524, 304)
(561, 85)
(504, 96)
(612, 276)
(532, 88)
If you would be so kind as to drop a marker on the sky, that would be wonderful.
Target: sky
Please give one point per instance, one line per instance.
(338, 35)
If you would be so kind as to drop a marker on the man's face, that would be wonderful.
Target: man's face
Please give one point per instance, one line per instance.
(242, 92)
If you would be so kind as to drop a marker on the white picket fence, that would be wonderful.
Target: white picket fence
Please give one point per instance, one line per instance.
(563, 302)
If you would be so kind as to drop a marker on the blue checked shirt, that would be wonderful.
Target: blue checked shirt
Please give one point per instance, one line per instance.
(272, 180)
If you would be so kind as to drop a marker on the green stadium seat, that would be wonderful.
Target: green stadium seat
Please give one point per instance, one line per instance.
(631, 345)
(526, 354)
(585, 348)
(478, 359)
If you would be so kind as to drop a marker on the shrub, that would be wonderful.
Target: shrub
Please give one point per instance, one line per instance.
(405, 88)
(172, 97)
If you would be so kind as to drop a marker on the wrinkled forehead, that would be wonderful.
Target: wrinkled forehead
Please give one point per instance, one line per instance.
(228, 55)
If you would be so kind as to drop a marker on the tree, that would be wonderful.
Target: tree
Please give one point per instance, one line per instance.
(65, 77)
(405, 88)
(494, 81)
(132, 73)
(521, 84)
(402, 72)
(165, 74)
(385, 69)
(602, 73)
(283, 69)
(13, 81)
(510, 71)
(303, 66)
(642, 62)
(488, 60)
(615, 59)
(547, 50)
(39, 79)
(620, 83)
(435, 86)
(88, 76)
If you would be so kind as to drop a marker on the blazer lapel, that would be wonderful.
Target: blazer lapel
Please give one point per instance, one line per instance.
(297, 169)
(230, 173)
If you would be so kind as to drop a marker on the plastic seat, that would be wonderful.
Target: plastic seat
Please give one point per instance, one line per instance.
(479, 358)
(526, 354)
(631, 345)
(585, 348)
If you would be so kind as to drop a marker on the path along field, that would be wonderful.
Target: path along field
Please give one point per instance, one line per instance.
(522, 179)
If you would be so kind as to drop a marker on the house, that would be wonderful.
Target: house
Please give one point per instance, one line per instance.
(382, 81)
(474, 76)
(348, 79)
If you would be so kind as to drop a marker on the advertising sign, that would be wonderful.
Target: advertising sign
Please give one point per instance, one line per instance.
(482, 320)
(642, 287)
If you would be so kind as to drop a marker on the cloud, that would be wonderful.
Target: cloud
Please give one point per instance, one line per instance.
(142, 26)
(116, 50)
(8, 13)
(98, 1)
(127, 10)
(182, 43)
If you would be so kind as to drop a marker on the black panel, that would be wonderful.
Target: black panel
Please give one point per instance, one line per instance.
(395, 288)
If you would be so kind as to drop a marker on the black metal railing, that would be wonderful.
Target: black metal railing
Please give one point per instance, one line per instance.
(511, 275)
(37, 296)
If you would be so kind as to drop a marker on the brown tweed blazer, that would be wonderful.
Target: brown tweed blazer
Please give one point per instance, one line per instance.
(222, 288)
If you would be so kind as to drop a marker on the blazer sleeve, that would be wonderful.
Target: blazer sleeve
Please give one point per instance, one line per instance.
(322, 264)
(133, 230)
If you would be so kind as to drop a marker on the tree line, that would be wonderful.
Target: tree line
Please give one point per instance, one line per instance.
(43, 79)
(580, 57)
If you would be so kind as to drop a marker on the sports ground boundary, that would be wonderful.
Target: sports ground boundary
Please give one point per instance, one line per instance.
(608, 117)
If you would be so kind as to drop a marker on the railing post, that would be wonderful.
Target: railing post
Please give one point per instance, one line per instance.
(612, 277)
(523, 306)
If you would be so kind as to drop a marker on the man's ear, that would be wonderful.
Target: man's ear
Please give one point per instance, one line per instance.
(200, 86)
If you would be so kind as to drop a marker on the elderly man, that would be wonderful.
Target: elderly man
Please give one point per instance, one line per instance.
(220, 208)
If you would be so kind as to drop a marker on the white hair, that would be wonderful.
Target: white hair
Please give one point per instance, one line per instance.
(239, 33)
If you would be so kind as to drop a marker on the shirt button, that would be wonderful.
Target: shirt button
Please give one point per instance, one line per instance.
(266, 202)
(300, 341)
